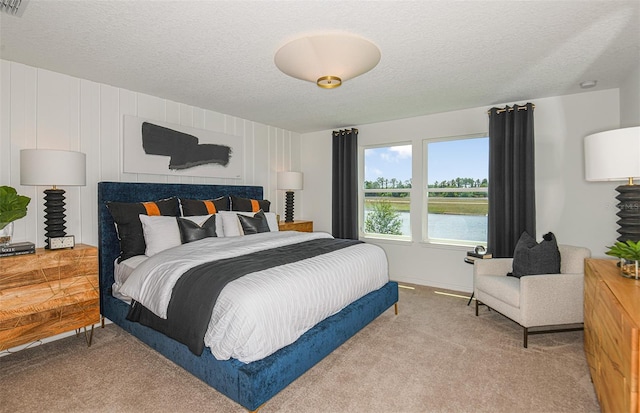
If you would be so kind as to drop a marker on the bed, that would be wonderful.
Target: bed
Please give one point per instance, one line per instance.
(249, 384)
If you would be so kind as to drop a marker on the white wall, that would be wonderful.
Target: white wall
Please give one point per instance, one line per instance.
(578, 212)
(43, 109)
(630, 99)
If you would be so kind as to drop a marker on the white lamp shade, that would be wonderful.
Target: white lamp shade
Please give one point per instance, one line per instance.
(613, 155)
(342, 55)
(289, 180)
(50, 167)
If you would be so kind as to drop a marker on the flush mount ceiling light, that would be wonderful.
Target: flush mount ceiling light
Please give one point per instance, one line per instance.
(327, 59)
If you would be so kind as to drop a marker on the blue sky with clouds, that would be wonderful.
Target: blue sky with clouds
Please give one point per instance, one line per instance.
(466, 158)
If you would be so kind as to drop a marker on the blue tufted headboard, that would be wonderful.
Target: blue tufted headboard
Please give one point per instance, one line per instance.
(108, 244)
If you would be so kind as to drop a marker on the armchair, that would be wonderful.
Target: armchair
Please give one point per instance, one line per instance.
(546, 300)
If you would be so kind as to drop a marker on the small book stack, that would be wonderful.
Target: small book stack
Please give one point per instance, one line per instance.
(18, 248)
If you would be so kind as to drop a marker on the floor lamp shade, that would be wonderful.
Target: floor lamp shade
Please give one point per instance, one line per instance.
(615, 156)
(50, 167)
(289, 181)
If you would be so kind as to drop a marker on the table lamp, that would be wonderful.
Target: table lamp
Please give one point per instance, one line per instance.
(50, 167)
(615, 156)
(289, 181)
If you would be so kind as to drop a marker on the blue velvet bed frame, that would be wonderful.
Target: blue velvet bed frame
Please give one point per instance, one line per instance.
(251, 384)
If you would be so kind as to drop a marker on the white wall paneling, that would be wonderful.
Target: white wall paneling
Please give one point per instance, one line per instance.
(44, 109)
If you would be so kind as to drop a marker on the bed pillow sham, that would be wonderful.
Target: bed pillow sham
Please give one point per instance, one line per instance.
(232, 226)
(192, 231)
(161, 233)
(249, 205)
(202, 207)
(255, 224)
(128, 224)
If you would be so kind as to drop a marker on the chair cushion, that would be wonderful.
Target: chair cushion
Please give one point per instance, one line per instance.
(505, 289)
(531, 258)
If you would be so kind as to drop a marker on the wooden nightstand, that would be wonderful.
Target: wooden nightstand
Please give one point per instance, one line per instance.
(48, 293)
(302, 226)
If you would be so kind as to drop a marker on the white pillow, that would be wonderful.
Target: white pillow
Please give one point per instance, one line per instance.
(161, 232)
(232, 226)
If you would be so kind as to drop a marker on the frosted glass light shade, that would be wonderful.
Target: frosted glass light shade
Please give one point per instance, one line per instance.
(289, 180)
(328, 59)
(613, 155)
(51, 167)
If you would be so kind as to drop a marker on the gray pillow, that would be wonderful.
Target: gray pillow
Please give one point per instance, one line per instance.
(255, 224)
(190, 231)
(531, 258)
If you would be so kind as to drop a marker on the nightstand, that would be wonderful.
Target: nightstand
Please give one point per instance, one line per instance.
(48, 293)
(302, 226)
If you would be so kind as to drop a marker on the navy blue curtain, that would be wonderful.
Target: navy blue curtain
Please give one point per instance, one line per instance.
(344, 201)
(512, 204)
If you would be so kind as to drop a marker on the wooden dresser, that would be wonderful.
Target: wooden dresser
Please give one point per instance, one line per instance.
(302, 226)
(47, 293)
(611, 335)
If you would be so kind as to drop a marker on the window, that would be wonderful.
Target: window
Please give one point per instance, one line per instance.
(456, 192)
(387, 191)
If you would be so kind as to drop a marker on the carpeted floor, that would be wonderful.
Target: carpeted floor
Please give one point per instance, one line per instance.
(435, 356)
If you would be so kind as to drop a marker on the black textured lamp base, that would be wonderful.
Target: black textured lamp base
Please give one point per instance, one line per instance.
(629, 213)
(288, 207)
(54, 217)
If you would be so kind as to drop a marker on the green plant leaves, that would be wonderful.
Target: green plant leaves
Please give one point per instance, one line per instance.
(628, 250)
(12, 205)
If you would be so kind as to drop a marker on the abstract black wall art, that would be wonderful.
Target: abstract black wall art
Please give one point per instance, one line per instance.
(155, 147)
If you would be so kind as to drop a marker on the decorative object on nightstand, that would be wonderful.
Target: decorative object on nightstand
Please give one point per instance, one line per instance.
(50, 167)
(48, 293)
(12, 208)
(629, 255)
(289, 181)
(18, 248)
(302, 226)
(615, 156)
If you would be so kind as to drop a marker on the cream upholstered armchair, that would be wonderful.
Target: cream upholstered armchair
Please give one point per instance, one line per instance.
(547, 300)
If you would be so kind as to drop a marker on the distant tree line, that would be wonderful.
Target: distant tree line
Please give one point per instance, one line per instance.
(384, 183)
(460, 183)
(393, 183)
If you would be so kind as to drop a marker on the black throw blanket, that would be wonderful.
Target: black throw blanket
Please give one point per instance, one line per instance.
(197, 290)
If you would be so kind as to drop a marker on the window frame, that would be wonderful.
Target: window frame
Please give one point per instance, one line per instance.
(426, 191)
(362, 192)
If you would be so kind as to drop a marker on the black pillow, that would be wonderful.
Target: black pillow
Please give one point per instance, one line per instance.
(255, 224)
(191, 207)
(531, 258)
(249, 205)
(190, 231)
(129, 226)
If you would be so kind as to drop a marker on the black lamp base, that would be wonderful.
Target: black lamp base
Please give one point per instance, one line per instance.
(629, 222)
(288, 208)
(54, 215)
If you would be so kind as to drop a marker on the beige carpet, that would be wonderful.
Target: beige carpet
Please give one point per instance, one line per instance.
(436, 356)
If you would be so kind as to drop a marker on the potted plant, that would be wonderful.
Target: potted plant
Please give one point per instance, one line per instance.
(629, 254)
(12, 207)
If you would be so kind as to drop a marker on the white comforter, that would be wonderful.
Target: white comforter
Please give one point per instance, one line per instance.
(262, 312)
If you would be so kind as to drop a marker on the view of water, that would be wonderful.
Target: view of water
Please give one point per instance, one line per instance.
(459, 227)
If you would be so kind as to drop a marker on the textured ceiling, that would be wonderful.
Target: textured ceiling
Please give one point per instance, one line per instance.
(436, 55)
